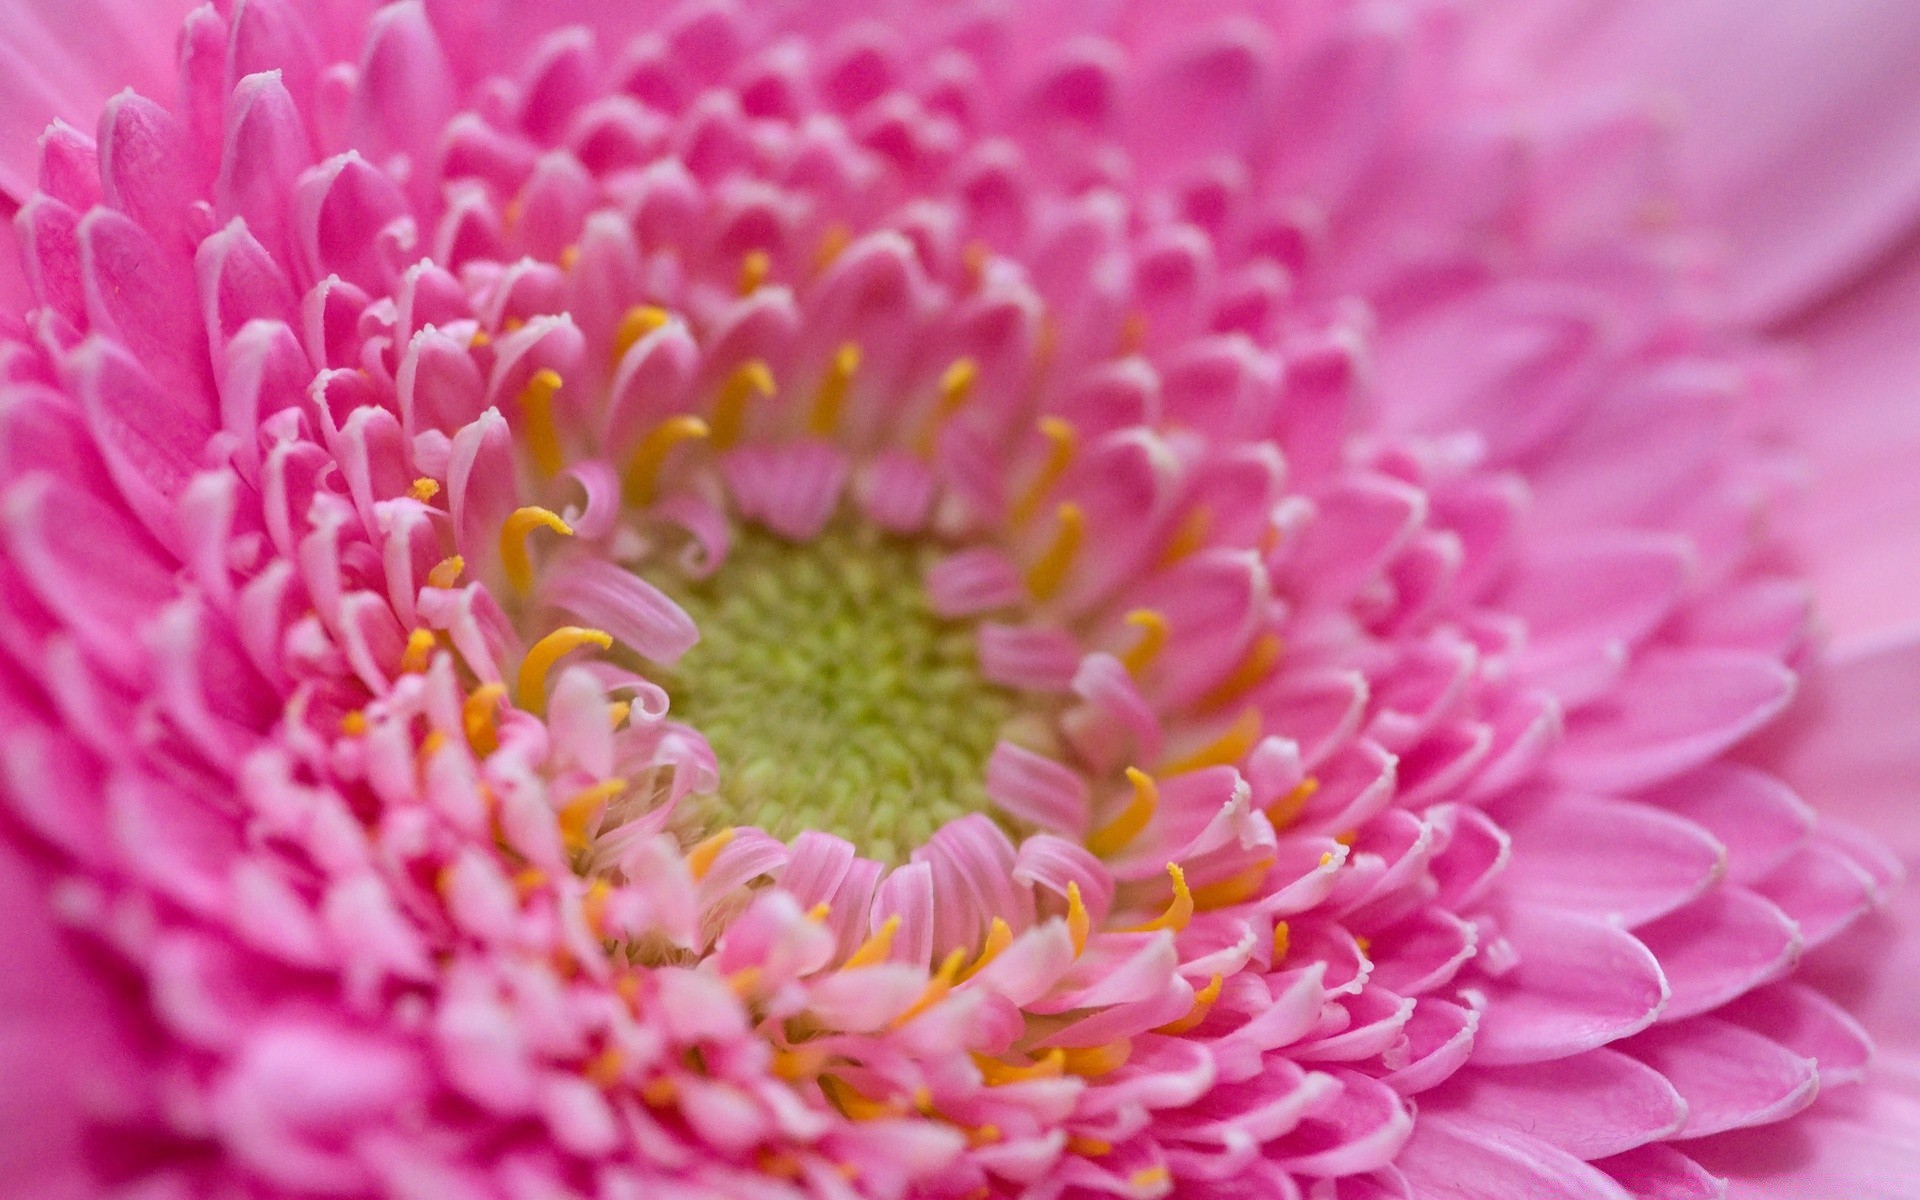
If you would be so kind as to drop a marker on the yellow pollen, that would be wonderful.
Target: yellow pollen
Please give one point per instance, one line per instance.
(1150, 1177)
(446, 572)
(1133, 333)
(1179, 911)
(748, 380)
(803, 1062)
(875, 949)
(1202, 1005)
(1283, 811)
(636, 323)
(1063, 442)
(354, 724)
(819, 913)
(938, 985)
(578, 812)
(1051, 1065)
(701, 858)
(1363, 941)
(1117, 833)
(746, 981)
(413, 659)
(424, 489)
(617, 712)
(430, 745)
(514, 559)
(1348, 838)
(956, 385)
(543, 436)
(1079, 923)
(1153, 638)
(831, 399)
(643, 469)
(1093, 1061)
(569, 257)
(480, 338)
(1253, 668)
(1046, 576)
(530, 880)
(593, 906)
(476, 717)
(659, 1091)
(852, 1104)
(1233, 889)
(1189, 536)
(833, 242)
(603, 1069)
(1326, 859)
(512, 325)
(1089, 1147)
(985, 1135)
(999, 937)
(1229, 748)
(532, 680)
(754, 268)
(1282, 941)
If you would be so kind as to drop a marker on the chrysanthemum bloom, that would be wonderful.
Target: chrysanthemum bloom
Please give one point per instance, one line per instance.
(1052, 600)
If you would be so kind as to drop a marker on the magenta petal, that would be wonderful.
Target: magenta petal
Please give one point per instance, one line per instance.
(1673, 711)
(1580, 983)
(1456, 1158)
(1591, 1105)
(1729, 1076)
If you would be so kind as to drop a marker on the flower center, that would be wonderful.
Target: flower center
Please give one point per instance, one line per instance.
(833, 698)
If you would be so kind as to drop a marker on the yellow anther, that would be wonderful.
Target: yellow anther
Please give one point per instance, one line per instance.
(659, 1091)
(569, 257)
(801, 1062)
(643, 469)
(636, 323)
(1189, 535)
(603, 1069)
(1079, 923)
(1283, 811)
(701, 858)
(852, 1104)
(480, 338)
(1117, 833)
(828, 402)
(1063, 442)
(354, 724)
(514, 559)
(956, 385)
(833, 242)
(1153, 638)
(999, 937)
(974, 260)
(1326, 859)
(1202, 1005)
(577, 813)
(984, 1135)
(446, 572)
(1133, 333)
(1242, 885)
(1046, 576)
(413, 659)
(511, 214)
(1150, 1177)
(730, 407)
(531, 879)
(1224, 751)
(875, 949)
(746, 981)
(1178, 912)
(1282, 941)
(819, 913)
(424, 489)
(1093, 1061)
(430, 745)
(617, 711)
(754, 268)
(938, 985)
(532, 680)
(1050, 1065)
(1363, 941)
(513, 325)
(593, 906)
(1348, 838)
(1089, 1147)
(1253, 668)
(543, 435)
(476, 717)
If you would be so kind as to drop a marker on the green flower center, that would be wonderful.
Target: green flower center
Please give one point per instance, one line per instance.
(834, 699)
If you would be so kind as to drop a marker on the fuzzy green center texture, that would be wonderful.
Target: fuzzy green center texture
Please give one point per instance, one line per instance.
(833, 698)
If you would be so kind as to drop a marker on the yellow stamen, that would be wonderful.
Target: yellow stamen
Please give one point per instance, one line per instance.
(1150, 1177)
(1283, 811)
(1189, 536)
(956, 385)
(1363, 941)
(530, 880)
(746, 981)
(1229, 748)
(638, 322)
(569, 257)
(446, 572)
(1063, 441)
(833, 242)
(1282, 941)
(546, 652)
(1115, 834)
(1090, 1147)
(543, 436)
(777, 1164)
(413, 659)
(937, 986)
(1348, 838)
(1233, 889)
(579, 811)
(1202, 1005)
(424, 489)
(430, 745)
(852, 1104)
(801, 1062)
(1133, 333)
(659, 1091)
(754, 268)
(985, 1135)
(643, 469)
(354, 724)
(832, 396)
(1093, 1061)
(593, 906)
(701, 858)
(748, 380)
(1153, 637)
(819, 913)
(974, 260)
(1079, 923)
(476, 717)
(1045, 577)
(1179, 911)
(603, 1069)
(513, 325)
(875, 949)
(514, 559)
(999, 937)
(1051, 1065)
(617, 712)
(1254, 667)
(480, 338)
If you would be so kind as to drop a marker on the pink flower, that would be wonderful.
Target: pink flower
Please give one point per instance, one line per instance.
(982, 600)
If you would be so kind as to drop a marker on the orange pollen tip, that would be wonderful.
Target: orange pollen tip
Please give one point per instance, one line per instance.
(577, 814)
(973, 260)
(985, 1135)
(831, 399)
(1152, 625)
(853, 1105)
(603, 1069)
(1116, 834)
(746, 981)
(1363, 941)
(755, 266)
(617, 712)
(432, 744)
(833, 242)
(1178, 912)
(1063, 442)
(476, 717)
(569, 257)
(1282, 941)
(1202, 1005)
(514, 559)
(1242, 885)
(650, 457)
(1150, 1177)
(876, 949)
(1133, 333)
(636, 323)
(531, 879)
(748, 380)
(819, 913)
(536, 407)
(803, 1062)
(539, 662)
(1326, 860)
(1254, 667)
(956, 385)
(1094, 1061)
(593, 906)
(996, 1073)
(938, 985)
(1283, 811)
(354, 724)
(999, 937)
(1045, 577)
(700, 858)
(424, 489)
(659, 1091)
(480, 338)
(420, 644)
(512, 325)
(1079, 923)
(1224, 751)
(446, 572)
(1089, 1147)
(1189, 536)
(1348, 838)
